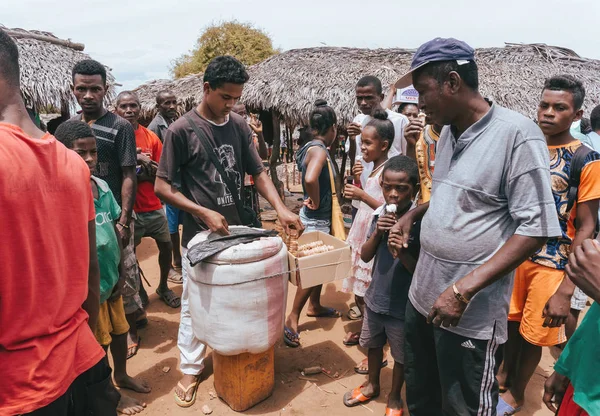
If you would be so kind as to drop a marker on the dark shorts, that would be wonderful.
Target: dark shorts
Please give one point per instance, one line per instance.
(152, 224)
(174, 218)
(91, 394)
(446, 373)
(377, 329)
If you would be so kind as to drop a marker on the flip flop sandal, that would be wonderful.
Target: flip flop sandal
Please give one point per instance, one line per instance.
(328, 313)
(175, 277)
(170, 298)
(354, 314)
(135, 347)
(358, 370)
(355, 397)
(352, 338)
(291, 338)
(183, 403)
(505, 409)
(393, 412)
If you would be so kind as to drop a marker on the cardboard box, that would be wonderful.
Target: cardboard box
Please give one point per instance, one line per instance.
(320, 268)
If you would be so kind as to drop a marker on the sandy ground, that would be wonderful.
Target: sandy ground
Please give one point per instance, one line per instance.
(158, 358)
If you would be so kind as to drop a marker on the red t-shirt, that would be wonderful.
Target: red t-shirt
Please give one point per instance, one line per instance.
(145, 199)
(46, 204)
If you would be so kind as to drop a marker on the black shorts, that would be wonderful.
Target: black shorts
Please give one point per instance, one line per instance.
(446, 373)
(91, 394)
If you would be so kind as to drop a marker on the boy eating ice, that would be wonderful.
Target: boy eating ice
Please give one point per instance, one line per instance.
(386, 297)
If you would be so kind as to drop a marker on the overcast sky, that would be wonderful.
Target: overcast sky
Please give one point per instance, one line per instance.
(138, 39)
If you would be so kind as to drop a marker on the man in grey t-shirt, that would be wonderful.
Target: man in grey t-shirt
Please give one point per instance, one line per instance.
(491, 208)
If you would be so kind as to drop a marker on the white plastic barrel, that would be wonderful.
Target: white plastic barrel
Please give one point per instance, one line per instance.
(238, 296)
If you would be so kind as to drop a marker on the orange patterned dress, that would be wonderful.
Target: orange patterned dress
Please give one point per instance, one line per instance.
(425, 153)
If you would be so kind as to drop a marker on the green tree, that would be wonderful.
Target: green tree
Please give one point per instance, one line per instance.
(241, 40)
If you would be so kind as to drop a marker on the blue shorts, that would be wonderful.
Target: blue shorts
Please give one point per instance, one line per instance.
(174, 218)
(311, 224)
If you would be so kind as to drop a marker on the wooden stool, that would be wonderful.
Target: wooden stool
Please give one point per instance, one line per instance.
(244, 380)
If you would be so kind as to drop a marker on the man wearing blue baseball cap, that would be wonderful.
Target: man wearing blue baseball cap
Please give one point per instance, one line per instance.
(491, 208)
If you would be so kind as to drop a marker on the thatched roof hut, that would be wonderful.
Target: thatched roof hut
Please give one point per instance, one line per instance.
(46, 63)
(290, 82)
(513, 76)
(187, 89)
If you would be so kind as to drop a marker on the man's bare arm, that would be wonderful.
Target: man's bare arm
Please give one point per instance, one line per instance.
(92, 302)
(447, 309)
(128, 190)
(558, 306)
(515, 251)
(287, 218)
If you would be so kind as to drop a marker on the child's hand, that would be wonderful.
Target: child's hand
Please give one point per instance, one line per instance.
(310, 204)
(116, 293)
(395, 244)
(400, 234)
(255, 124)
(353, 192)
(413, 130)
(354, 129)
(124, 234)
(357, 170)
(385, 223)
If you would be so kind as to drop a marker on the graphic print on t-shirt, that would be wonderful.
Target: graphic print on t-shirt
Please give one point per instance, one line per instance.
(226, 156)
(555, 253)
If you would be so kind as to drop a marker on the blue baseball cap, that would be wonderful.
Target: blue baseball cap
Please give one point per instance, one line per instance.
(438, 49)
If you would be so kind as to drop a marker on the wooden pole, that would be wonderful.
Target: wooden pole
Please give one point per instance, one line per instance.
(28, 35)
(275, 155)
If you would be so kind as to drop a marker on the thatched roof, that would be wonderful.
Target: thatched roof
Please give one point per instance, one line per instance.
(46, 63)
(187, 89)
(290, 82)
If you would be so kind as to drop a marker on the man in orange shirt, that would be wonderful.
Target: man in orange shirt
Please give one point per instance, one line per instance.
(543, 293)
(50, 281)
(150, 217)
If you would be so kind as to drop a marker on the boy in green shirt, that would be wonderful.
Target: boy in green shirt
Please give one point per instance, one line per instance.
(112, 327)
(575, 385)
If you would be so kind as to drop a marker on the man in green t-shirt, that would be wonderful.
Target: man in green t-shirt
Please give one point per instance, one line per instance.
(574, 385)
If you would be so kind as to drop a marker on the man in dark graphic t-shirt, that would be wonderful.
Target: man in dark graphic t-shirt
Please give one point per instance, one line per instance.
(201, 192)
(117, 159)
(115, 141)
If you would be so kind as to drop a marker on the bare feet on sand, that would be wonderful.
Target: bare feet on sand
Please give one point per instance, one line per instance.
(131, 383)
(130, 406)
